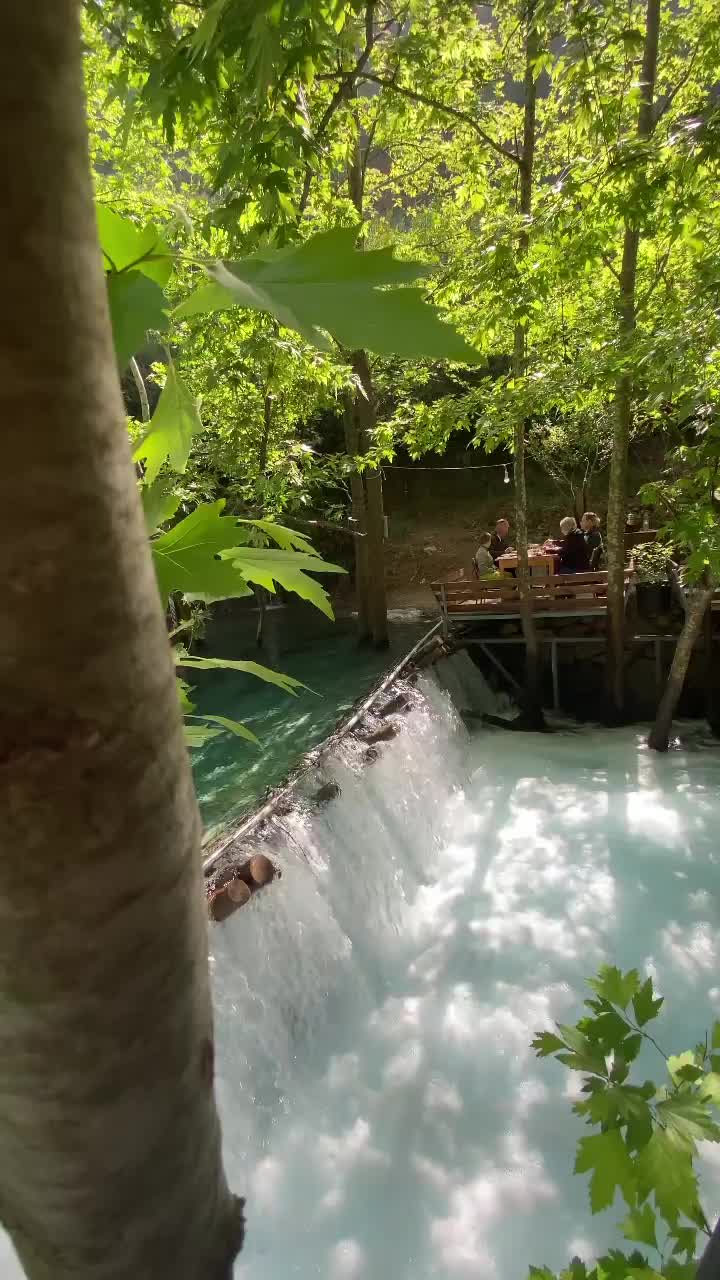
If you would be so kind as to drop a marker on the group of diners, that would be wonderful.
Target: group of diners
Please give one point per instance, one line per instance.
(578, 550)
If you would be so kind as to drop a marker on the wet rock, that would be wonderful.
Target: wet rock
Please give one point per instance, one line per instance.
(261, 869)
(325, 794)
(398, 703)
(384, 734)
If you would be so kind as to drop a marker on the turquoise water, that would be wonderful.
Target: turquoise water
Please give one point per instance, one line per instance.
(231, 775)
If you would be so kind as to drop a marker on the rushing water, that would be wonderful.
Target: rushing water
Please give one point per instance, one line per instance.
(381, 1106)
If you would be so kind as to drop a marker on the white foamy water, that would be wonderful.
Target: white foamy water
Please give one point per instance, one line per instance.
(382, 1109)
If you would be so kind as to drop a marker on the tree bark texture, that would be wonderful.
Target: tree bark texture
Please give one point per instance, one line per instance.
(110, 1160)
(697, 609)
(532, 664)
(617, 494)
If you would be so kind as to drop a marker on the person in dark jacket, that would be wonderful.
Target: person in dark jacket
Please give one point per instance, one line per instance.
(500, 540)
(574, 555)
(590, 525)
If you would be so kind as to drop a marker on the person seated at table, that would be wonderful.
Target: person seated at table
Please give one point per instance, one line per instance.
(500, 540)
(590, 525)
(574, 555)
(483, 563)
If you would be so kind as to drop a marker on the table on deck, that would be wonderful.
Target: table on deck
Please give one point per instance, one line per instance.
(542, 564)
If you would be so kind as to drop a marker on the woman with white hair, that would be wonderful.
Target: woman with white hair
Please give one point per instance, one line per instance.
(574, 555)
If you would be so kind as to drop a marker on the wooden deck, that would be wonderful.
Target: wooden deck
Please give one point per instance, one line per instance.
(559, 595)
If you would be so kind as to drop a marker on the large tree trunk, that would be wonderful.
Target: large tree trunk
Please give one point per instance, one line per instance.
(109, 1140)
(532, 709)
(617, 495)
(660, 732)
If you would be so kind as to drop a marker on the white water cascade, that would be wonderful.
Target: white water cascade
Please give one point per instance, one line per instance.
(381, 1106)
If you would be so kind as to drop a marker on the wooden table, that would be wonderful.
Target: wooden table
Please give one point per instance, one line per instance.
(541, 566)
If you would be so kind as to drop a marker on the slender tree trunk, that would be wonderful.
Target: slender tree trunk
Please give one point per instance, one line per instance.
(365, 413)
(697, 608)
(357, 493)
(109, 1139)
(366, 418)
(533, 707)
(617, 495)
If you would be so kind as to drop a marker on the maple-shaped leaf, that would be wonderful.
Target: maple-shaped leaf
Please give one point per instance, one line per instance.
(687, 1119)
(269, 568)
(286, 539)
(606, 1158)
(677, 1061)
(546, 1043)
(640, 1226)
(325, 285)
(646, 1005)
(685, 1239)
(615, 986)
(169, 435)
(187, 557)
(665, 1167)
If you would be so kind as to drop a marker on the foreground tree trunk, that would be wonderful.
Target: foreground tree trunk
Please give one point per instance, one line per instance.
(617, 493)
(697, 609)
(109, 1140)
(532, 711)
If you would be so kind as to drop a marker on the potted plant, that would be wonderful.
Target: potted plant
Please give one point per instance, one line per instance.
(650, 561)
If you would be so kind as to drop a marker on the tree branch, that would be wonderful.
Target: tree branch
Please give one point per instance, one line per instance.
(456, 114)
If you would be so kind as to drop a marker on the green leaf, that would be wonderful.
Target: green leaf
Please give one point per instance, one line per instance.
(234, 726)
(326, 284)
(203, 37)
(196, 735)
(287, 539)
(711, 1087)
(287, 683)
(267, 567)
(640, 1226)
(126, 245)
(606, 1158)
(159, 503)
(136, 305)
(547, 1043)
(716, 1035)
(645, 1005)
(687, 1119)
(187, 559)
(183, 689)
(615, 986)
(678, 1060)
(169, 435)
(685, 1241)
(665, 1168)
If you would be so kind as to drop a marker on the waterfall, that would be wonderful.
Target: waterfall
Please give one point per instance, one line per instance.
(381, 1107)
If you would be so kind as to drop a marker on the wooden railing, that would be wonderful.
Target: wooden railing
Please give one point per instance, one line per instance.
(561, 593)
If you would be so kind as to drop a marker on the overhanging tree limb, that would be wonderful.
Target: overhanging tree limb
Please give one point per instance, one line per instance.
(463, 116)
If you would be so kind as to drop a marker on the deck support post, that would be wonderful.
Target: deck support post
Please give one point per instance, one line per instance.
(555, 681)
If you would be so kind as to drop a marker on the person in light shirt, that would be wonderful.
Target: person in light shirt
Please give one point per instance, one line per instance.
(482, 560)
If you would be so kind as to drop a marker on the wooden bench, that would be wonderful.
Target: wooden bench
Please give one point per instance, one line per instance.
(562, 594)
